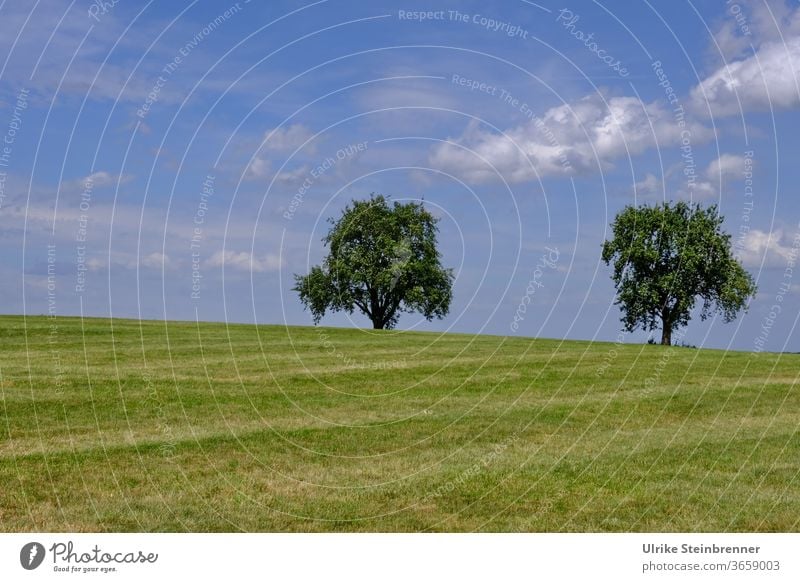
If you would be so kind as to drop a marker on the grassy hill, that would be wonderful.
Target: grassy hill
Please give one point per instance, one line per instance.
(153, 426)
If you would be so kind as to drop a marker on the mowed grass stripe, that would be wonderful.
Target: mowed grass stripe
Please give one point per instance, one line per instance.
(212, 427)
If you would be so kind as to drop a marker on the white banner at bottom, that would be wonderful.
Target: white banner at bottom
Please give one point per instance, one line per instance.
(390, 557)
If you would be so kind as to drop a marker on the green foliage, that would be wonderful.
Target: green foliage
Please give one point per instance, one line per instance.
(383, 261)
(666, 257)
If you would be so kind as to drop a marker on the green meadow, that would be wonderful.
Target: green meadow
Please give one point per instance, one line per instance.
(176, 426)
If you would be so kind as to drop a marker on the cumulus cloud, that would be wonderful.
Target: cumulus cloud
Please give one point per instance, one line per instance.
(284, 139)
(154, 260)
(745, 24)
(293, 176)
(726, 167)
(756, 48)
(572, 138)
(280, 140)
(95, 264)
(99, 179)
(259, 168)
(103, 178)
(774, 248)
(703, 191)
(244, 261)
(648, 187)
(768, 78)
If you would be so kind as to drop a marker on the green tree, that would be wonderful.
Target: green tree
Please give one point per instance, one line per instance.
(666, 257)
(383, 261)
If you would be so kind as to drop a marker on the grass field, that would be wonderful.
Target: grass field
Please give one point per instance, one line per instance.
(153, 426)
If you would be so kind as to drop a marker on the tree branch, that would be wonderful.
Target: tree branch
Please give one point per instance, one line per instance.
(363, 307)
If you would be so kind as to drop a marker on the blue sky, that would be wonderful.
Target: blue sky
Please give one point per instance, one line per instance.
(180, 160)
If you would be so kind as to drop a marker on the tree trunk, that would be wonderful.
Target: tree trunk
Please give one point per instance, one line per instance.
(376, 312)
(666, 326)
(666, 334)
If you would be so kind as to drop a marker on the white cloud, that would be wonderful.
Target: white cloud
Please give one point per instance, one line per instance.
(729, 42)
(757, 50)
(773, 248)
(259, 168)
(244, 261)
(156, 261)
(54, 45)
(95, 264)
(769, 78)
(725, 167)
(284, 139)
(703, 191)
(745, 24)
(280, 139)
(567, 139)
(648, 187)
(294, 176)
(99, 179)
(719, 171)
(102, 179)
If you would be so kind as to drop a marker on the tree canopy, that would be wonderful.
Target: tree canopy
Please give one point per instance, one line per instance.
(668, 256)
(382, 260)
